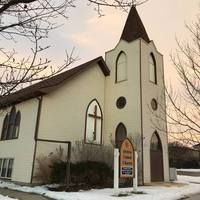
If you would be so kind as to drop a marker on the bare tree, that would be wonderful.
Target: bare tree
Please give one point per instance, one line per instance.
(122, 4)
(183, 106)
(33, 20)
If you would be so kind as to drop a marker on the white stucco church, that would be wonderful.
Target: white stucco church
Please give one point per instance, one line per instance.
(115, 97)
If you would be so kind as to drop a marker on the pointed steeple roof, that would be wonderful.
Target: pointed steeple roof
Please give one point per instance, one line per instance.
(134, 27)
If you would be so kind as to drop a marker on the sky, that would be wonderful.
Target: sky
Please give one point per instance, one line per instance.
(91, 36)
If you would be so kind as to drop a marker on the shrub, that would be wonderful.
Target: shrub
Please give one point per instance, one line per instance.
(44, 163)
(89, 152)
(58, 172)
(90, 173)
(90, 165)
(43, 173)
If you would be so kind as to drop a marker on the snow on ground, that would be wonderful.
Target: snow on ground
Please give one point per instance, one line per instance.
(5, 198)
(185, 185)
(188, 170)
(190, 179)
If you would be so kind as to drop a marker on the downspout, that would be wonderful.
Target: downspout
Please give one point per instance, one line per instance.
(36, 134)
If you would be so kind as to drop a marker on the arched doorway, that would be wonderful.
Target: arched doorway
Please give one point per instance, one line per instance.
(156, 158)
(120, 134)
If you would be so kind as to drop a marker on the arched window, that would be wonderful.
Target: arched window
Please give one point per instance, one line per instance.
(93, 128)
(121, 67)
(5, 127)
(155, 142)
(11, 124)
(152, 69)
(17, 125)
(120, 134)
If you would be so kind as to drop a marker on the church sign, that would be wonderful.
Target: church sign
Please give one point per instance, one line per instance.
(127, 159)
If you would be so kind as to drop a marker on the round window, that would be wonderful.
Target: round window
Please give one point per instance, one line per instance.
(154, 104)
(121, 102)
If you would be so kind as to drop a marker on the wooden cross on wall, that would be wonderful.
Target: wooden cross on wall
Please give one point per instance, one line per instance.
(95, 117)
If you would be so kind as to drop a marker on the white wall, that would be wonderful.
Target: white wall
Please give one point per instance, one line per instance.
(63, 112)
(130, 89)
(21, 149)
(150, 123)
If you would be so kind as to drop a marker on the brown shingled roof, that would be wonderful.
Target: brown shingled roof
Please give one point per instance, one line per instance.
(134, 27)
(48, 85)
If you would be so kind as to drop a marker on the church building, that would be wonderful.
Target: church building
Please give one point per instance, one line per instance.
(96, 102)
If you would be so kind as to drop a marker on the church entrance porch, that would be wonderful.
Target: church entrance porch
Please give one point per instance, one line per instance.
(156, 156)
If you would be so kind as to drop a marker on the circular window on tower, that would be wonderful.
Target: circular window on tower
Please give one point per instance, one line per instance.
(154, 104)
(121, 102)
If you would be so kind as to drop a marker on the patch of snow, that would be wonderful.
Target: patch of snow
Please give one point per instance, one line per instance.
(190, 179)
(6, 198)
(188, 170)
(189, 185)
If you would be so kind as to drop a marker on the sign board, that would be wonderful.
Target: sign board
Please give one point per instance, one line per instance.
(127, 165)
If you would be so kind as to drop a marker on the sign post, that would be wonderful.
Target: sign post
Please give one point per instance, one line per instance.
(128, 164)
(135, 179)
(116, 171)
(127, 159)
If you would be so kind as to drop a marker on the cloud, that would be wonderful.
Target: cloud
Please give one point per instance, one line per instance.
(107, 29)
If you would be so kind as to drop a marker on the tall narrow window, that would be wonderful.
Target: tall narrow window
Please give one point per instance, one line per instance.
(11, 124)
(4, 168)
(120, 134)
(121, 67)
(93, 127)
(17, 124)
(5, 127)
(152, 69)
(10, 167)
(1, 161)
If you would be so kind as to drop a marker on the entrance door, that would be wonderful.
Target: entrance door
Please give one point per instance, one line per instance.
(156, 159)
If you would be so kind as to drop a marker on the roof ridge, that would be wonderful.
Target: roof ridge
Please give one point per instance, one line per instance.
(38, 89)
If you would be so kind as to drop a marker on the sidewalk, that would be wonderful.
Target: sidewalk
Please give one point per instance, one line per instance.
(21, 195)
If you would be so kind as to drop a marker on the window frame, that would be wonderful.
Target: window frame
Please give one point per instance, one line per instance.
(9, 160)
(116, 131)
(4, 130)
(7, 167)
(12, 120)
(17, 125)
(1, 163)
(116, 67)
(11, 123)
(86, 117)
(151, 55)
(155, 134)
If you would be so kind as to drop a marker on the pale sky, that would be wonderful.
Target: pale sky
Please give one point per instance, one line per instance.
(91, 36)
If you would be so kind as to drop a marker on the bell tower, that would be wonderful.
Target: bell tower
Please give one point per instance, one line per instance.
(133, 89)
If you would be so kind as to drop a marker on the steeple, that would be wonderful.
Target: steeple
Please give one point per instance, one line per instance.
(134, 27)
